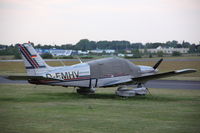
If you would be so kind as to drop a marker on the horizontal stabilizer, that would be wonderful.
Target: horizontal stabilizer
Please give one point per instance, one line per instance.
(27, 78)
(143, 79)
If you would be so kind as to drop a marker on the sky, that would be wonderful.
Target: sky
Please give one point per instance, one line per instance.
(68, 21)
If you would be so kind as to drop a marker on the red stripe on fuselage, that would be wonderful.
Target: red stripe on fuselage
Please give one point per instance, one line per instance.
(29, 56)
(76, 78)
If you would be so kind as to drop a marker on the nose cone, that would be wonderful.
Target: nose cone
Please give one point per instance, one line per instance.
(147, 69)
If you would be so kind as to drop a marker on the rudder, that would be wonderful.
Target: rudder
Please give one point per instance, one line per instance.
(33, 62)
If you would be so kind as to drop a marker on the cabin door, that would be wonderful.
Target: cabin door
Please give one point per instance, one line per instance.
(93, 83)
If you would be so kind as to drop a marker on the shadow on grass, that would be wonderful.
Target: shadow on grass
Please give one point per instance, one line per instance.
(55, 97)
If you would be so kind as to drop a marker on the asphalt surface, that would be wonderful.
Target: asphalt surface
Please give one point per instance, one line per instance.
(166, 84)
(173, 84)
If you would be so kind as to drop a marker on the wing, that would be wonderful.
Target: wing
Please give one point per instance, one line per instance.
(27, 78)
(143, 79)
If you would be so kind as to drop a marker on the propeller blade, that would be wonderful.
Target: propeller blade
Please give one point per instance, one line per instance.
(157, 64)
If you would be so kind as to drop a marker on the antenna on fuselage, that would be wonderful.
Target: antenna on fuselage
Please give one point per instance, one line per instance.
(61, 62)
(79, 59)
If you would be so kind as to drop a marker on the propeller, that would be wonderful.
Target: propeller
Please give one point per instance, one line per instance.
(158, 63)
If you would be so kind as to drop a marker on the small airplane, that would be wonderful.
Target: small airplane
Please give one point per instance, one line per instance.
(86, 76)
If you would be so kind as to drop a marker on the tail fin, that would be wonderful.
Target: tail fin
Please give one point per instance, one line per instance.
(33, 62)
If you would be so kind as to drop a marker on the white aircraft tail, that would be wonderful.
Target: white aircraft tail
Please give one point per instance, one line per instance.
(33, 62)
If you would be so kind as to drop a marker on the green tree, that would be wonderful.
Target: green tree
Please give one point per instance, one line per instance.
(198, 49)
(176, 53)
(85, 44)
(17, 55)
(47, 56)
(160, 54)
(150, 55)
(136, 53)
(192, 48)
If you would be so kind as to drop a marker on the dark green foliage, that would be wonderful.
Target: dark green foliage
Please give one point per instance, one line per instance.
(176, 53)
(160, 54)
(119, 46)
(150, 55)
(185, 44)
(128, 57)
(154, 45)
(192, 48)
(67, 57)
(87, 57)
(198, 49)
(85, 44)
(8, 50)
(136, 53)
(67, 46)
(17, 55)
(47, 56)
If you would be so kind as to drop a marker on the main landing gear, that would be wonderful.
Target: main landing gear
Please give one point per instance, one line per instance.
(130, 91)
(85, 91)
(124, 91)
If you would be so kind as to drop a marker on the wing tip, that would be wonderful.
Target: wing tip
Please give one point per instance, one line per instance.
(186, 70)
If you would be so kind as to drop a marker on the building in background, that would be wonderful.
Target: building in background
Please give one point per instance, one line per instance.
(121, 55)
(42, 51)
(60, 52)
(80, 52)
(169, 50)
(109, 51)
(100, 51)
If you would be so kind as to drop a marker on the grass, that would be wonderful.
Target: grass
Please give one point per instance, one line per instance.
(12, 68)
(46, 109)
(7, 57)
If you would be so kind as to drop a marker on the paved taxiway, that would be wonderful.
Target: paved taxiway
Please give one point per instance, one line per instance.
(167, 84)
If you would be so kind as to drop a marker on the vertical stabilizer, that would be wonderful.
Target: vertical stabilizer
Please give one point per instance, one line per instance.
(33, 62)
